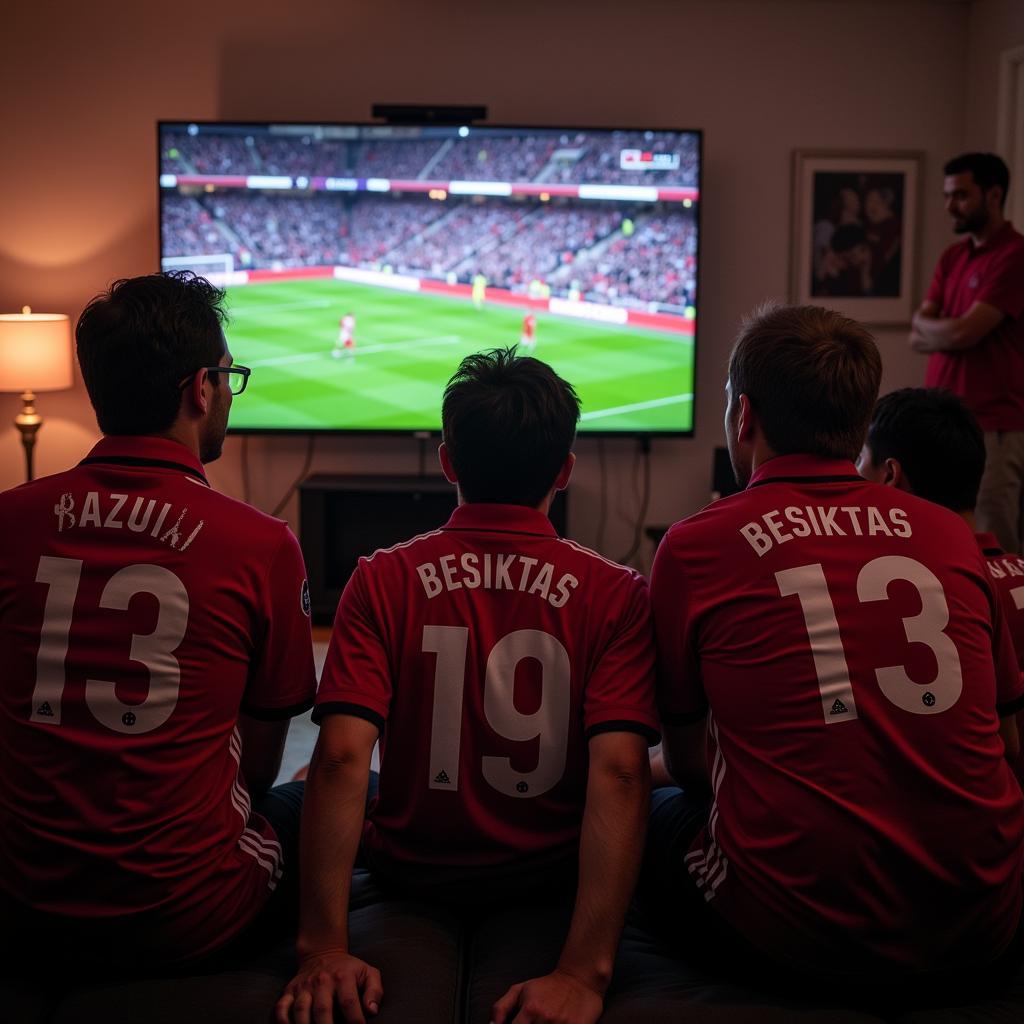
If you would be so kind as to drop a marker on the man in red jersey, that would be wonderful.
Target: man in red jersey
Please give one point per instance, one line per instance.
(527, 337)
(927, 442)
(831, 659)
(971, 326)
(509, 675)
(155, 637)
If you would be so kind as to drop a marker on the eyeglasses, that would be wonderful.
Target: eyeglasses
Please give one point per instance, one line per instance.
(238, 376)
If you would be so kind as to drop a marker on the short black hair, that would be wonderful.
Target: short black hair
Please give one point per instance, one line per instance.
(937, 441)
(508, 423)
(140, 339)
(987, 169)
(812, 377)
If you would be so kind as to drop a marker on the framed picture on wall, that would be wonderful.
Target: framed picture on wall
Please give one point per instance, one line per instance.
(854, 243)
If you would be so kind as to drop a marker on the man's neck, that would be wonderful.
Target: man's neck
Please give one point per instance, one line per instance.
(989, 231)
(968, 518)
(184, 436)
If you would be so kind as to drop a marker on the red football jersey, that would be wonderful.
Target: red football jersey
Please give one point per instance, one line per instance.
(140, 611)
(529, 323)
(845, 640)
(989, 376)
(488, 652)
(1007, 574)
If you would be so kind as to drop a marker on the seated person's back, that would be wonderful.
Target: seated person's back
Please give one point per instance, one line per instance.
(143, 618)
(509, 674)
(843, 643)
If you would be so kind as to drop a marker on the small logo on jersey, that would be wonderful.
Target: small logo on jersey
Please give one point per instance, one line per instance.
(839, 708)
(522, 787)
(129, 718)
(973, 283)
(63, 511)
(304, 597)
(45, 710)
(928, 699)
(442, 778)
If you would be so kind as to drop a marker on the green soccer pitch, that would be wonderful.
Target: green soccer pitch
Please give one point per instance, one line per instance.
(408, 345)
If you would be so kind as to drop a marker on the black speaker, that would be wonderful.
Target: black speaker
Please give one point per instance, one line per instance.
(342, 518)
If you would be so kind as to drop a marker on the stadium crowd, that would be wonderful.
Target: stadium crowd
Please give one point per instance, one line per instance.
(571, 246)
(589, 159)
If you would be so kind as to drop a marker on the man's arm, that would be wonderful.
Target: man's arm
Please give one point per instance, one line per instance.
(932, 333)
(611, 846)
(262, 747)
(332, 823)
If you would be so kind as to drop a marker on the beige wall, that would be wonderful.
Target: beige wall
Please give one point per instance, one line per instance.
(86, 82)
(995, 26)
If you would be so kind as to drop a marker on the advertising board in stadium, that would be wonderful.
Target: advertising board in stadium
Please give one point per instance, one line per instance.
(362, 262)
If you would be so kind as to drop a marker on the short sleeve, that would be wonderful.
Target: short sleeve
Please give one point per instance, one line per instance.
(938, 285)
(1009, 682)
(681, 697)
(357, 673)
(282, 677)
(619, 694)
(1003, 285)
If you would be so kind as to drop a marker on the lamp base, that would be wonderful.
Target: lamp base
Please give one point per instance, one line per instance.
(28, 421)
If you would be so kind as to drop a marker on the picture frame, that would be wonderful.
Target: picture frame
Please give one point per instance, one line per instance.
(854, 244)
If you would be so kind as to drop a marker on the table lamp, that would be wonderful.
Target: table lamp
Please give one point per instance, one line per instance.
(35, 355)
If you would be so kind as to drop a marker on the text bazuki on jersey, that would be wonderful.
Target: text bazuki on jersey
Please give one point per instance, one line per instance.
(118, 512)
(824, 521)
(496, 572)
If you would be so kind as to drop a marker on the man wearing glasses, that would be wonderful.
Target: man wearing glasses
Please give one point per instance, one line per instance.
(155, 641)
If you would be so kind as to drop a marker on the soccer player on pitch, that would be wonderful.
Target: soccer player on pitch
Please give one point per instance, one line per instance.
(479, 290)
(832, 667)
(509, 676)
(527, 338)
(155, 639)
(927, 442)
(346, 343)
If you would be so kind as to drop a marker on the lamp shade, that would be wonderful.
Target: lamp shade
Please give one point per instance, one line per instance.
(35, 352)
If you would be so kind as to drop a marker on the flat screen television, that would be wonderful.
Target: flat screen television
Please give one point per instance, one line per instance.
(363, 261)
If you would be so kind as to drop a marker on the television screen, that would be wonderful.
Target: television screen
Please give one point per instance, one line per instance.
(362, 262)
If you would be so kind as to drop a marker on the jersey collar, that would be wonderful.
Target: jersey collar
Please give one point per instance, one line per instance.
(809, 469)
(989, 544)
(147, 452)
(479, 516)
(1001, 236)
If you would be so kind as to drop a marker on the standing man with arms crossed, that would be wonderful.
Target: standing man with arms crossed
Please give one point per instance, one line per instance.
(155, 641)
(971, 326)
(509, 675)
(837, 648)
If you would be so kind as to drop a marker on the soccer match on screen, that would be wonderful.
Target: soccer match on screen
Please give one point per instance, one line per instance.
(362, 262)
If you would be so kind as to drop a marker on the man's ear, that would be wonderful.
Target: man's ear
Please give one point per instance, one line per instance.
(562, 480)
(895, 477)
(196, 393)
(446, 464)
(746, 424)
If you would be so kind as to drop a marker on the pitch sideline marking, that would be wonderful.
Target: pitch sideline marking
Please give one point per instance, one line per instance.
(277, 308)
(653, 403)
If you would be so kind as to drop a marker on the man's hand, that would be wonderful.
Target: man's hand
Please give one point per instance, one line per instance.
(329, 979)
(919, 343)
(557, 998)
